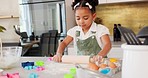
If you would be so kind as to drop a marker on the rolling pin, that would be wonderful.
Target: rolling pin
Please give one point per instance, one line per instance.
(75, 59)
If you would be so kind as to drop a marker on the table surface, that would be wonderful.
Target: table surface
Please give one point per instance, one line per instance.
(52, 69)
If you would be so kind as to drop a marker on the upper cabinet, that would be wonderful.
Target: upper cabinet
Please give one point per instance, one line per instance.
(102, 1)
(116, 1)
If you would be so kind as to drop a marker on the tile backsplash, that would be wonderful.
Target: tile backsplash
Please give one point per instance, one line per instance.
(132, 15)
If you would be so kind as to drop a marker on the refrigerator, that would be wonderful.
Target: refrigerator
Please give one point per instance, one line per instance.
(40, 16)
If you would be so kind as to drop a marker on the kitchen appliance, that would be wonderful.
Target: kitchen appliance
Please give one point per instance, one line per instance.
(135, 54)
(135, 62)
(129, 36)
(40, 16)
(143, 33)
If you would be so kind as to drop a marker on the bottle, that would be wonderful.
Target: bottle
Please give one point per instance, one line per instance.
(32, 37)
(119, 34)
(115, 29)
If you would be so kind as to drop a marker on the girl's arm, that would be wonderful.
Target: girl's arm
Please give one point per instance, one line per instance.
(64, 44)
(61, 48)
(107, 45)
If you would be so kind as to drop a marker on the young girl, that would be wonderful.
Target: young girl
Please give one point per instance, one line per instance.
(89, 38)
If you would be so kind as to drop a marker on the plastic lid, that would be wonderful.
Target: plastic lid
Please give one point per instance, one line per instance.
(68, 76)
(105, 71)
(113, 60)
(39, 63)
(73, 71)
(50, 59)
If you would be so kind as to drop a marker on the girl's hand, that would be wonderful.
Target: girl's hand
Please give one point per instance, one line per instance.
(57, 57)
(96, 59)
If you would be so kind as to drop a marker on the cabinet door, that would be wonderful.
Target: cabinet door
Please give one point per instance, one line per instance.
(102, 1)
(114, 1)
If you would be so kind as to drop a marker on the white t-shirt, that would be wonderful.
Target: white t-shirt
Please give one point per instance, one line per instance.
(98, 28)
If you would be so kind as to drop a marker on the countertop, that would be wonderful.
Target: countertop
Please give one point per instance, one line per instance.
(117, 44)
(52, 69)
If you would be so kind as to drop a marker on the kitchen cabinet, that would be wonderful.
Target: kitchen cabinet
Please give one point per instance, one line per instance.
(9, 8)
(102, 1)
(116, 1)
(113, 1)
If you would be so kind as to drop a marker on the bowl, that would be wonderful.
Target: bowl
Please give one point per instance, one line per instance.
(10, 56)
(1, 72)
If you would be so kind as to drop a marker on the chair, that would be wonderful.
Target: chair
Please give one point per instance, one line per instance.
(24, 35)
(44, 44)
(53, 43)
(129, 36)
(48, 43)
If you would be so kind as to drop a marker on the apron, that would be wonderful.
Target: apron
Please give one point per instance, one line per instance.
(88, 46)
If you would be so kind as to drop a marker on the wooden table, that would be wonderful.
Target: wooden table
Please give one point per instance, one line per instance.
(28, 45)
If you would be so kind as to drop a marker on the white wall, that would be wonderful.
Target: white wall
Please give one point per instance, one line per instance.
(70, 20)
(8, 8)
(9, 35)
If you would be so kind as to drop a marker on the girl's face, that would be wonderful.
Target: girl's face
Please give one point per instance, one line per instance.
(84, 17)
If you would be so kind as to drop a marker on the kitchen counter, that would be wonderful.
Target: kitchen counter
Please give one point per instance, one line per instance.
(117, 44)
(52, 69)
